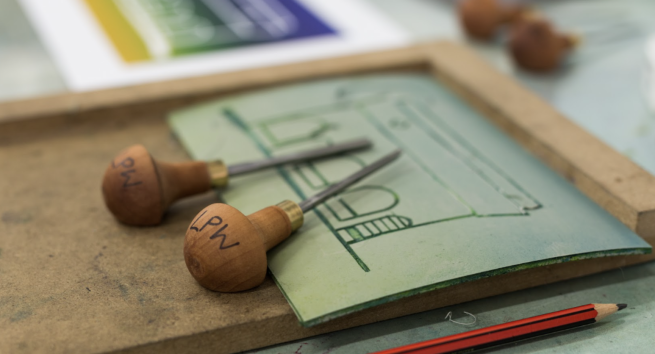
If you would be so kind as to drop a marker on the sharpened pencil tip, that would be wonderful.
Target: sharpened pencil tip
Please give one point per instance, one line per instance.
(621, 306)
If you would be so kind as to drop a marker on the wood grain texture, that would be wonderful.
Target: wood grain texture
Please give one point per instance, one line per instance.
(182, 179)
(140, 99)
(272, 224)
(75, 280)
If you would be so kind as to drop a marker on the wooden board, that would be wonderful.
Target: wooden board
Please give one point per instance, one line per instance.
(74, 280)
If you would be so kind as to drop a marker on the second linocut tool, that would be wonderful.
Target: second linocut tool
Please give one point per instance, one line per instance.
(139, 189)
(225, 250)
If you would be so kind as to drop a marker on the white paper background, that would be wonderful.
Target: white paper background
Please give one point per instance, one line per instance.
(88, 60)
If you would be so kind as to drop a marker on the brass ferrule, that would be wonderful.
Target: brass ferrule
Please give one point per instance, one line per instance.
(218, 173)
(294, 213)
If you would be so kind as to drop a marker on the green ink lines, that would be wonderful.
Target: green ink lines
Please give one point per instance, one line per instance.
(240, 123)
(383, 220)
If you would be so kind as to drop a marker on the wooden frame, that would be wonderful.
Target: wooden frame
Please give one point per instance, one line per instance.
(53, 151)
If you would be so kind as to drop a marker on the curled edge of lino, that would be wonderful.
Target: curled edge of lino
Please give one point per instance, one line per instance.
(449, 317)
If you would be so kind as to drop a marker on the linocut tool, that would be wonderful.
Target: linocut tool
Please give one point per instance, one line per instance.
(138, 189)
(511, 331)
(225, 250)
(534, 43)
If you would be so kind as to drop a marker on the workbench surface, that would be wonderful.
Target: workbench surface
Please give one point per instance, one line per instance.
(25, 70)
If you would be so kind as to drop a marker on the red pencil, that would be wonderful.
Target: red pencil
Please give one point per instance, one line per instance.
(511, 331)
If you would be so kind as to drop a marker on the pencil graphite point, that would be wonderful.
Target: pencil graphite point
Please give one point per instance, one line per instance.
(605, 310)
(621, 306)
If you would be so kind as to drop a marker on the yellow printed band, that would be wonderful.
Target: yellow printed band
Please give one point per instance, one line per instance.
(119, 30)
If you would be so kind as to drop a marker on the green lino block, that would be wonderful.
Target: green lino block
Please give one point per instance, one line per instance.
(463, 202)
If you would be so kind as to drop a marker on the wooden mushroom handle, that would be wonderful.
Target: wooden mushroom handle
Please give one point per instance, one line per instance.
(138, 189)
(536, 46)
(277, 222)
(225, 250)
(273, 225)
(182, 179)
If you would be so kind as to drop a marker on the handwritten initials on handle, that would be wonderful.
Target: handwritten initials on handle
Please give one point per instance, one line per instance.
(214, 221)
(127, 163)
